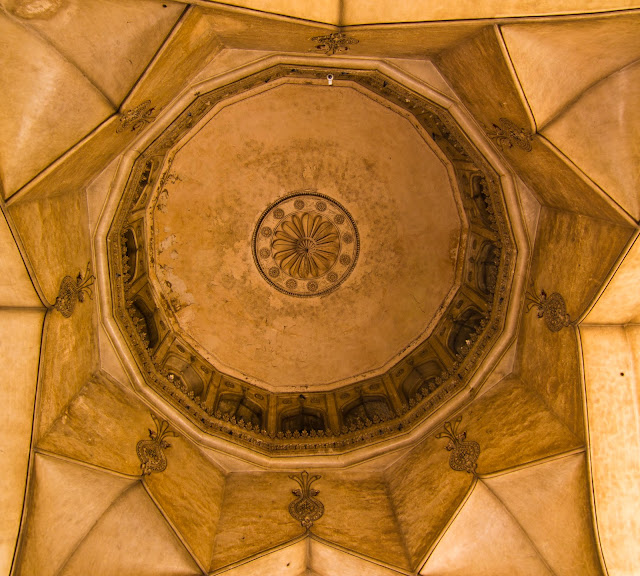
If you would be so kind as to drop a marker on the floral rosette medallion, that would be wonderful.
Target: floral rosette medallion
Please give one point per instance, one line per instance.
(305, 244)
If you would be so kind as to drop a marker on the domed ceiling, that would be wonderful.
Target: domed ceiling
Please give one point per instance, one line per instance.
(255, 299)
(319, 289)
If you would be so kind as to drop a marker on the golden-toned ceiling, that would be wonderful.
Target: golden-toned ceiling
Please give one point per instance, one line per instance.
(531, 469)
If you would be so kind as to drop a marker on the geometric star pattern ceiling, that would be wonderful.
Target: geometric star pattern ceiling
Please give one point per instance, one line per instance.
(531, 469)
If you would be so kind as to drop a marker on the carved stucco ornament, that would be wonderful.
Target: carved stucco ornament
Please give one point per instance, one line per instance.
(137, 117)
(151, 452)
(507, 135)
(332, 43)
(464, 457)
(551, 308)
(74, 290)
(305, 508)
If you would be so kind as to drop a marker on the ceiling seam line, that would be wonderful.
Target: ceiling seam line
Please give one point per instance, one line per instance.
(76, 461)
(27, 493)
(624, 253)
(589, 463)
(223, 498)
(516, 79)
(176, 25)
(397, 522)
(172, 527)
(443, 531)
(613, 204)
(533, 463)
(487, 21)
(67, 59)
(517, 522)
(93, 527)
(565, 108)
(24, 256)
(255, 11)
(257, 555)
(350, 552)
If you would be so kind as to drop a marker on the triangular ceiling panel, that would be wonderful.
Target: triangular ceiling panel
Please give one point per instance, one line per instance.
(131, 539)
(551, 503)
(557, 61)
(68, 500)
(484, 540)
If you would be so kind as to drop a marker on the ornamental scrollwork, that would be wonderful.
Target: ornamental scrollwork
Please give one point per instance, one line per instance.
(73, 290)
(464, 457)
(151, 452)
(306, 509)
(137, 117)
(332, 43)
(507, 135)
(552, 308)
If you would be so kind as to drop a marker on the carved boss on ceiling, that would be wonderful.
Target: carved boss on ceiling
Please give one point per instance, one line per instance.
(306, 244)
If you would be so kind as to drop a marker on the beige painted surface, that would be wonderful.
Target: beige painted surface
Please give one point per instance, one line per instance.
(614, 432)
(425, 493)
(101, 426)
(484, 540)
(513, 426)
(255, 517)
(343, 144)
(67, 500)
(320, 10)
(111, 42)
(557, 61)
(16, 288)
(40, 87)
(365, 11)
(348, 500)
(601, 134)
(20, 333)
(551, 502)
(131, 537)
(190, 492)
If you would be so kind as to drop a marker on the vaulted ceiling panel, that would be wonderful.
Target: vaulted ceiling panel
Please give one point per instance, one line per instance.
(563, 533)
(132, 537)
(557, 61)
(39, 88)
(600, 132)
(485, 540)
(109, 41)
(67, 501)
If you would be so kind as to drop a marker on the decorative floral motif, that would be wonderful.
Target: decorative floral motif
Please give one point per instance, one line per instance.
(332, 43)
(151, 452)
(552, 308)
(306, 508)
(137, 117)
(74, 290)
(507, 134)
(306, 245)
(465, 454)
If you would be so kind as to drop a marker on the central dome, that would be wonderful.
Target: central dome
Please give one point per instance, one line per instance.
(226, 225)
(298, 265)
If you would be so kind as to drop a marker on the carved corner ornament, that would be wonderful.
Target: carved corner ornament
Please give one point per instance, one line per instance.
(306, 509)
(507, 135)
(332, 43)
(550, 307)
(464, 457)
(137, 117)
(74, 290)
(151, 452)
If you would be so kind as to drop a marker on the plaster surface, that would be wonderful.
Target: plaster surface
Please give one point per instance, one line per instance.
(343, 144)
